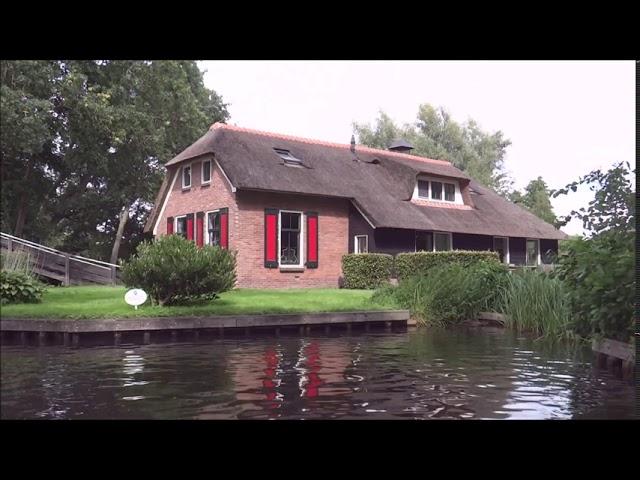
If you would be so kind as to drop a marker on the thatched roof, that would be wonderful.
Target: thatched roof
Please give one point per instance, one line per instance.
(380, 182)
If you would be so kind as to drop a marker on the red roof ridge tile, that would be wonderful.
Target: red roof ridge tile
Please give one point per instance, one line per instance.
(361, 148)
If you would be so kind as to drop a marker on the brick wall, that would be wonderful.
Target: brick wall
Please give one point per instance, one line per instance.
(246, 229)
(333, 225)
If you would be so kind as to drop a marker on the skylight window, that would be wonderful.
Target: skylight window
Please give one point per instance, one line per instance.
(288, 157)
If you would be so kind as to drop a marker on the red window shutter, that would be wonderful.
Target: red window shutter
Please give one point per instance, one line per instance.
(169, 225)
(270, 238)
(224, 228)
(312, 239)
(200, 229)
(190, 226)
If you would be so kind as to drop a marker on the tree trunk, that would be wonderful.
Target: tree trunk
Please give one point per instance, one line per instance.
(22, 204)
(124, 216)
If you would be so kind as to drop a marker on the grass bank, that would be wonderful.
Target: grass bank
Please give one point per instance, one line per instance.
(88, 302)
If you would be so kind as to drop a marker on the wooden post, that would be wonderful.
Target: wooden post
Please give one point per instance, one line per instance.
(10, 245)
(113, 274)
(387, 326)
(174, 335)
(67, 280)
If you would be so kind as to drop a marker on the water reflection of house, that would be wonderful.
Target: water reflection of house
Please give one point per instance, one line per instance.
(322, 365)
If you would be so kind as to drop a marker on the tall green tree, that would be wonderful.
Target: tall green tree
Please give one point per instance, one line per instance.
(435, 134)
(536, 199)
(28, 141)
(113, 124)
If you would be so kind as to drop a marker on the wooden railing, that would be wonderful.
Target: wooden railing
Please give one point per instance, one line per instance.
(64, 267)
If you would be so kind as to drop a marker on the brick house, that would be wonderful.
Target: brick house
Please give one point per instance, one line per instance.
(291, 207)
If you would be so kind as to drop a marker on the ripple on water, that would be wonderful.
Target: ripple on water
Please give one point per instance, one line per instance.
(416, 375)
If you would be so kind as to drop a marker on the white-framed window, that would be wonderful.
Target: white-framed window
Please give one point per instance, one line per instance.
(532, 252)
(180, 227)
(423, 189)
(205, 172)
(441, 241)
(501, 245)
(361, 244)
(186, 176)
(437, 190)
(213, 228)
(290, 239)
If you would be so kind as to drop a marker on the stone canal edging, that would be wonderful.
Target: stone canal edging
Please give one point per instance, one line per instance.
(146, 324)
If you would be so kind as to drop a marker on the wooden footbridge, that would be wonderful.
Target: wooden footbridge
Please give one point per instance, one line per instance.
(65, 268)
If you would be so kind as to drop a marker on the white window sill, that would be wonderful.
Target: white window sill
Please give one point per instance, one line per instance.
(291, 268)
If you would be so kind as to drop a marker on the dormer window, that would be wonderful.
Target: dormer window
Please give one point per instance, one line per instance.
(288, 157)
(437, 190)
(423, 189)
(449, 192)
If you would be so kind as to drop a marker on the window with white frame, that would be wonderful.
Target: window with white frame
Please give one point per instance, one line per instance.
(290, 239)
(437, 190)
(441, 241)
(361, 244)
(423, 188)
(449, 192)
(181, 226)
(533, 252)
(206, 172)
(213, 228)
(186, 176)
(501, 246)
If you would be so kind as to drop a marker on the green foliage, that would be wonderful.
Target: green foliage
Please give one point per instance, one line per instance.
(366, 270)
(448, 293)
(436, 135)
(536, 199)
(599, 274)
(420, 263)
(83, 139)
(535, 302)
(599, 270)
(19, 287)
(16, 261)
(173, 270)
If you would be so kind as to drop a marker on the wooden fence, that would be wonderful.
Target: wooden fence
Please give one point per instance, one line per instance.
(64, 267)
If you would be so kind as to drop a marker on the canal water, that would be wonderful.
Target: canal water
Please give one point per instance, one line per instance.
(461, 374)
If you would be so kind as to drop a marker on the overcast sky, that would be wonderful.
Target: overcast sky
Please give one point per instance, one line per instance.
(564, 118)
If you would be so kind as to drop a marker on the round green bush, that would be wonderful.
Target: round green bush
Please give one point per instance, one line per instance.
(173, 270)
(19, 287)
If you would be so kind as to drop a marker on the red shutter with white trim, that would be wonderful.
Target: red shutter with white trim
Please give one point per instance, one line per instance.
(170, 226)
(271, 238)
(312, 239)
(200, 229)
(224, 227)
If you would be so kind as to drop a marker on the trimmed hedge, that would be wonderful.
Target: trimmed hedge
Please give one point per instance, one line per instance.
(411, 264)
(366, 270)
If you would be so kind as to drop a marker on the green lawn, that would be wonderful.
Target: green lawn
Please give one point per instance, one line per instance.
(108, 302)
